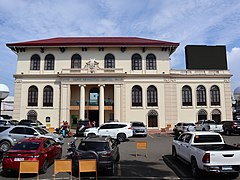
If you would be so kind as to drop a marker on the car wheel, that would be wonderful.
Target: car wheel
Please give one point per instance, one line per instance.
(118, 158)
(5, 146)
(196, 172)
(121, 137)
(174, 154)
(44, 168)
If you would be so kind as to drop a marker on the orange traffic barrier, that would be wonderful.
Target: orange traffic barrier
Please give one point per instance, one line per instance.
(141, 145)
(29, 167)
(61, 165)
(88, 165)
(51, 129)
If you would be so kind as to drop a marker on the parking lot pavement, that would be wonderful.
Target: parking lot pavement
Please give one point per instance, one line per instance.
(157, 165)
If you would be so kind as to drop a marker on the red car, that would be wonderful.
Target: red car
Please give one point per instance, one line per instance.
(45, 150)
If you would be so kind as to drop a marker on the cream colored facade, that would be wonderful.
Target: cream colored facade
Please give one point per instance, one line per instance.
(71, 87)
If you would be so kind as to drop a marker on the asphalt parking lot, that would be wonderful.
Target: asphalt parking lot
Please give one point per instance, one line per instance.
(157, 165)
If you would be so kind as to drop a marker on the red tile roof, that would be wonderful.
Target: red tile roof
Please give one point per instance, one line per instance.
(94, 41)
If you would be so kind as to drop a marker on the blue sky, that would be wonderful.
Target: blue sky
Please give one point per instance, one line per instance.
(208, 22)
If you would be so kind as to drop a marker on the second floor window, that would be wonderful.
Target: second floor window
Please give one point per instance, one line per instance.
(32, 96)
(76, 61)
(35, 62)
(48, 96)
(136, 62)
(186, 96)
(109, 61)
(152, 96)
(49, 62)
(201, 96)
(151, 62)
(215, 96)
(136, 96)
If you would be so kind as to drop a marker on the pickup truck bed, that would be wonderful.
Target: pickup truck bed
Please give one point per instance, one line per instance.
(217, 147)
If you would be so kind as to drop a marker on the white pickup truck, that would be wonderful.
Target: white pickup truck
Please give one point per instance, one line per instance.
(206, 151)
(208, 125)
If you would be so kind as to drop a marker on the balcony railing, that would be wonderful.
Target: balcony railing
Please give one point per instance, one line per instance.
(90, 105)
(87, 71)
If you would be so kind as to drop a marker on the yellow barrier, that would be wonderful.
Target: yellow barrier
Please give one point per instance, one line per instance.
(61, 165)
(29, 167)
(141, 145)
(51, 129)
(88, 165)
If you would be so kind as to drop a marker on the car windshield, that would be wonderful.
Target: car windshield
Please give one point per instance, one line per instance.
(3, 122)
(3, 129)
(95, 146)
(139, 124)
(26, 146)
(189, 124)
(41, 130)
(207, 139)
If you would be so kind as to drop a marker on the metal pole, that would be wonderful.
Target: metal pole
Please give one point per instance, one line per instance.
(0, 106)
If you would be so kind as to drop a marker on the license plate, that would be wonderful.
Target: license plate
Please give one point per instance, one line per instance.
(18, 159)
(226, 168)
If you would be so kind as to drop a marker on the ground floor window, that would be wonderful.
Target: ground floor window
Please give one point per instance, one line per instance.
(152, 118)
(202, 115)
(32, 115)
(216, 115)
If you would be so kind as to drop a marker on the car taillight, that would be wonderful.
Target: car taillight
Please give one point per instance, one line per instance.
(106, 154)
(130, 128)
(206, 158)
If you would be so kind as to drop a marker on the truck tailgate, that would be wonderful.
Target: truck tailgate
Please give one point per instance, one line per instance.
(225, 157)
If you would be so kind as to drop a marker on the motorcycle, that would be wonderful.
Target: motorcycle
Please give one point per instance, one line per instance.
(71, 149)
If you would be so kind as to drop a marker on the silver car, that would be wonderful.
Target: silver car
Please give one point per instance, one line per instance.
(181, 127)
(139, 129)
(9, 135)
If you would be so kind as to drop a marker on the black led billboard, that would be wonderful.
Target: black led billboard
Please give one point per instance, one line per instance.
(206, 57)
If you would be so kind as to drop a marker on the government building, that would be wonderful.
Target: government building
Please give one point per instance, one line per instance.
(114, 79)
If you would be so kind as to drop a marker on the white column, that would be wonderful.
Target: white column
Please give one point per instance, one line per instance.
(82, 102)
(117, 102)
(101, 104)
(65, 103)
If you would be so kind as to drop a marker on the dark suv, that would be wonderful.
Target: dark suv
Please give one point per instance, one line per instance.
(106, 151)
(230, 127)
(82, 125)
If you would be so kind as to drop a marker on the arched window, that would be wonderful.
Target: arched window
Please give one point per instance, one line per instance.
(136, 96)
(32, 96)
(216, 115)
(35, 62)
(186, 96)
(215, 96)
(152, 96)
(136, 62)
(49, 62)
(202, 114)
(32, 115)
(109, 61)
(76, 61)
(48, 96)
(151, 62)
(201, 96)
(152, 118)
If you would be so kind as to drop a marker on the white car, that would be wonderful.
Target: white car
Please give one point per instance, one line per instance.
(117, 130)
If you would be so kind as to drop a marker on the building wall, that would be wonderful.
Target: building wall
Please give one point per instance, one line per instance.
(168, 82)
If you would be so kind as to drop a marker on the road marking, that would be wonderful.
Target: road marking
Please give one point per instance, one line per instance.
(150, 135)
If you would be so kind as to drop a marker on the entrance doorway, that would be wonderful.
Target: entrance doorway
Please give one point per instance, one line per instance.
(93, 115)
